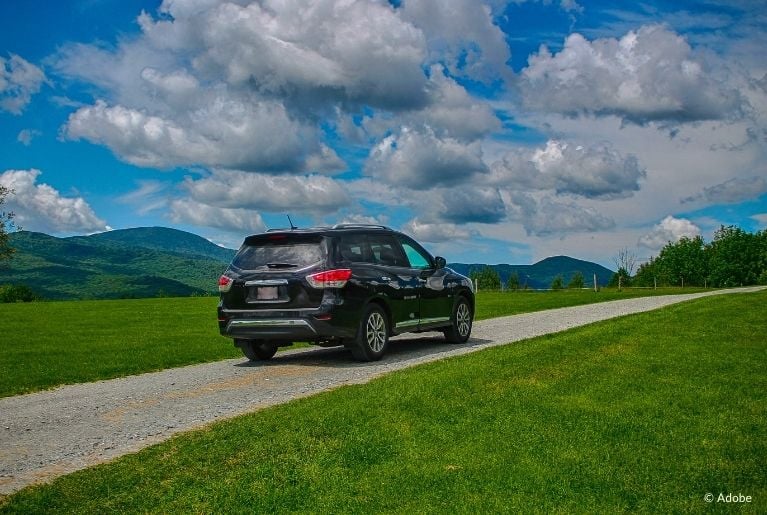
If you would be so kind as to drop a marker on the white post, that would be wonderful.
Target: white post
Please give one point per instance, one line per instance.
(596, 286)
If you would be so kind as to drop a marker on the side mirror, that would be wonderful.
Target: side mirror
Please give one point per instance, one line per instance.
(440, 262)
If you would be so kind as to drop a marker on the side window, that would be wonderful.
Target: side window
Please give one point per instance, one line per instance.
(386, 252)
(354, 248)
(416, 256)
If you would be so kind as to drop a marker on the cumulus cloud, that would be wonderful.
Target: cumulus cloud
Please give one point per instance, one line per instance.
(648, 75)
(597, 171)
(237, 189)
(196, 213)
(435, 232)
(549, 216)
(471, 204)
(421, 159)
(357, 51)
(19, 80)
(461, 34)
(26, 136)
(40, 207)
(670, 229)
(733, 191)
(227, 132)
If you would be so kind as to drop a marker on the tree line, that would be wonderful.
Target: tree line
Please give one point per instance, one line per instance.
(733, 258)
(488, 278)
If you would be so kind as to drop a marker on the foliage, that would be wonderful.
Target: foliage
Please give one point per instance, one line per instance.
(643, 414)
(576, 282)
(734, 258)
(6, 226)
(513, 282)
(620, 279)
(486, 278)
(95, 268)
(558, 283)
(17, 293)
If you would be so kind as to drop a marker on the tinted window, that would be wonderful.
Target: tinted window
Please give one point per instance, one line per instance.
(354, 248)
(278, 255)
(386, 252)
(416, 257)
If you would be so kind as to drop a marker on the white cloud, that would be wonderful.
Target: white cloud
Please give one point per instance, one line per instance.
(761, 218)
(227, 132)
(651, 74)
(39, 207)
(733, 191)
(354, 50)
(462, 35)
(435, 232)
(19, 80)
(236, 189)
(26, 136)
(549, 216)
(196, 213)
(596, 171)
(670, 229)
(421, 159)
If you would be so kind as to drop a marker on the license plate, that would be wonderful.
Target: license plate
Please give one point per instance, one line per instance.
(267, 293)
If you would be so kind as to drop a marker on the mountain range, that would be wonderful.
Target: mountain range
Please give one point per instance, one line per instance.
(159, 261)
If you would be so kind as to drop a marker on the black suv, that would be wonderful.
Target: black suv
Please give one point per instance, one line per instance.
(351, 285)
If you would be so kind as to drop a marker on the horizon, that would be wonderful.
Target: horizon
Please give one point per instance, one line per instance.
(508, 130)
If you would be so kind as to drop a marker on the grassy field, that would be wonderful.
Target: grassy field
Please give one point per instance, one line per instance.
(53, 343)
(644, 413)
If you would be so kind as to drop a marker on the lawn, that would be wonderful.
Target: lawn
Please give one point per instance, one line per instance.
(47, 344)
(645, 413)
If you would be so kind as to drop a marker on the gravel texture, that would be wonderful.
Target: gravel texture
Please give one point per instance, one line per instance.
(47, 434)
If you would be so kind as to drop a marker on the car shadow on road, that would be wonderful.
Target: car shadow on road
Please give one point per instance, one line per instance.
(401, 349)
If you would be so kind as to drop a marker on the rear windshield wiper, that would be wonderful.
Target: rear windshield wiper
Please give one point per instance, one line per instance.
(281, 265)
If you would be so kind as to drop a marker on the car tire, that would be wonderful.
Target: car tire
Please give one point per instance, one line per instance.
(461, 320)
(257, 350)
(372, 336)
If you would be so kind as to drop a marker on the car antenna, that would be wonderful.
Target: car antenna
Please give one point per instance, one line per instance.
(291, 223)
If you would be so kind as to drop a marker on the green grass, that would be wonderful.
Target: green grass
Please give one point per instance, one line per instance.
(45, 344)
(644, 413)
(491, 304)
(53, 343)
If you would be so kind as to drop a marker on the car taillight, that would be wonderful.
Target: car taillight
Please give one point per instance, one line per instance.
(329, 278)
(225, 283)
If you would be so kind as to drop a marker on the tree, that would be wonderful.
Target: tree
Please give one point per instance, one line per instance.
(620, 279)
(558, 283)
(576, 281)
(6, 226)
(736, 258)
(626, 260)
(513, 282)
(17, 293)
(486, 278)
(685, 263)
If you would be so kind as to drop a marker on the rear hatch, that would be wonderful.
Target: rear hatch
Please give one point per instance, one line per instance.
(269, 271)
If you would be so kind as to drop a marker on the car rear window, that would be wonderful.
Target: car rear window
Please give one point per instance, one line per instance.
(279, 254)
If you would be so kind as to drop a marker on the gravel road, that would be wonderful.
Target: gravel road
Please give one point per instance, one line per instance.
(47, 434)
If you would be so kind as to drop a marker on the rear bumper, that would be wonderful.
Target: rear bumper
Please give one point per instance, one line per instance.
(303, 325)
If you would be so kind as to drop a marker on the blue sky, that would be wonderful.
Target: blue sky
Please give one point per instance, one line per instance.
(500, 132)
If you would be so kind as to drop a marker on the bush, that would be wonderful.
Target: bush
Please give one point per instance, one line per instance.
(17, 293)
(576, 281)
(558, 283)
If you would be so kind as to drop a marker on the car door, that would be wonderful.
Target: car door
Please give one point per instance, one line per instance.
(435, 302)
(402, 282)
(377, 266)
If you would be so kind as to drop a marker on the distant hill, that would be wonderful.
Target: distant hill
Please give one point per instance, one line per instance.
(152, 261)
(540, 274)
(100, 267)
(165, 239)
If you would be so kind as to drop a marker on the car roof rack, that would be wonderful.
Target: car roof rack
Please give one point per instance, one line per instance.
(360, 226)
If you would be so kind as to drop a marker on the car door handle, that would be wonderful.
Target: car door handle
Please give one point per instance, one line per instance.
(384, 278)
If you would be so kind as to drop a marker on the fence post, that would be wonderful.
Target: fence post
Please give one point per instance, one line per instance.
(596, 289)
